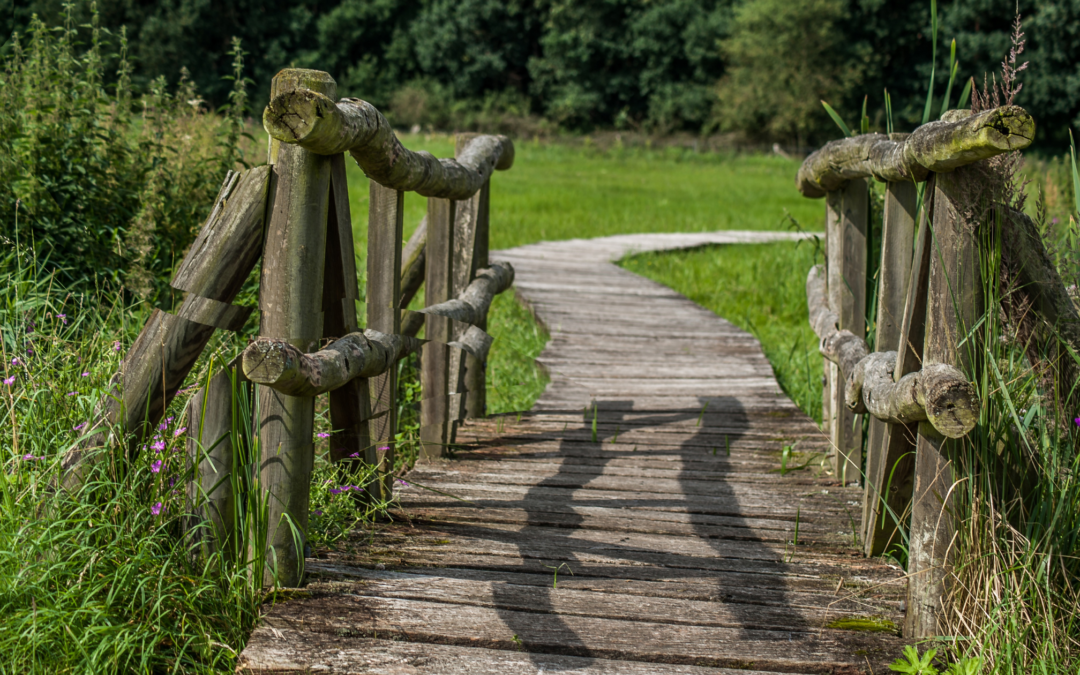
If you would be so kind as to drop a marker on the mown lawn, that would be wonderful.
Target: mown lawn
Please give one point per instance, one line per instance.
(559, 191)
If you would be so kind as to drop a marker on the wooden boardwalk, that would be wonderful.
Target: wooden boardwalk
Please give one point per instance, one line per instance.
(635, 521)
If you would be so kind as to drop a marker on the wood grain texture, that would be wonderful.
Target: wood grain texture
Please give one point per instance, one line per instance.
(626, 523)
(435, 407)
(475, 365)
(313, 121)
(939, 146)
(291, 304)
(954, 303)
(385, 211)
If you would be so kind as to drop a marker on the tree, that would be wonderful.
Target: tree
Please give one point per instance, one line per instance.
(783, 59)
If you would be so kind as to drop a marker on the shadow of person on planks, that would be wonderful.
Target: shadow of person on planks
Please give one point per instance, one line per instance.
(653, 509)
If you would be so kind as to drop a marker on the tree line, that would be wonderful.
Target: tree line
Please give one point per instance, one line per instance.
(756, 68)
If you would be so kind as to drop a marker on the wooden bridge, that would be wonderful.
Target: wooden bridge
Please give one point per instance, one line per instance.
(664, 508)
(635, 521)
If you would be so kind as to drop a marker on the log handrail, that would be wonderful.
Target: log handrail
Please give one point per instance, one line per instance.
(319, 125)
(958, 139)
(939, 393)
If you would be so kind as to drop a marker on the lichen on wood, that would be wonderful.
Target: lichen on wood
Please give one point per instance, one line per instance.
(939, 393)
(283, 367)
(939, 146)
(473, 304)
(318, 124)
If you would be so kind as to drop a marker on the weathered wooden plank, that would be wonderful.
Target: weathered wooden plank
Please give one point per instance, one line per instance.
(847, 223)
(954, 304)
(290, 300)
(823, 651)
(385, 222)
(274, 651)
(435, 422)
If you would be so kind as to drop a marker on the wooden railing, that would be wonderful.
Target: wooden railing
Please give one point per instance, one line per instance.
(295, 213)
(929, 300)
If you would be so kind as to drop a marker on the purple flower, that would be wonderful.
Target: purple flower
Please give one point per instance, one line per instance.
(15, 361)
(156, 466)
(317, 512)
(384, 447)
(156, 509)
(169, 419)
(31, 458)
(62, 317)
(86, 374)
(355, 454)
(179, 431)
(80, 426)
(323, 434)
(9, 380)
(345, 488)
(401, 481)
(1053, 221)
(159, 446)
(1077, 420)
(335, 491)
(116, 345)
(72, 393)
(172, 481)
(162, 427)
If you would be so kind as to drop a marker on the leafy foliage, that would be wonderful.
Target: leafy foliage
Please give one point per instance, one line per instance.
(109, 187)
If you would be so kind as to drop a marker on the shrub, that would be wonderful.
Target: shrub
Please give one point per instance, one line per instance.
(109, 186)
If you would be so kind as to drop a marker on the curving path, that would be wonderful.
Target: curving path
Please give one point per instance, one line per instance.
(637, 521)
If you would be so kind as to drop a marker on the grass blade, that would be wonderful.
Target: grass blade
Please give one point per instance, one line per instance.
(836, 118)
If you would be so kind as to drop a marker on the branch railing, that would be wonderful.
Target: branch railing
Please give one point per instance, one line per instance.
(929, 296)
(294, 212)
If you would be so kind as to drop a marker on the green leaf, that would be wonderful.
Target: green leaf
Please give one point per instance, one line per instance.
(933, 62)
(864, 121)
(965, 95)
(1075, 174)
(888, 113)
(948, 89)
(836, 118)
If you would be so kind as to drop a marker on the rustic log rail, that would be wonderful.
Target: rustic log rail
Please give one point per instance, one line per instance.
(914, 385)
(295, 213)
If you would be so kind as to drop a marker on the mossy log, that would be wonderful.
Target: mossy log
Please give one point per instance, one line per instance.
(941, 146)
(473, 304)
(318, 124)
(939, 393)
(283, 367)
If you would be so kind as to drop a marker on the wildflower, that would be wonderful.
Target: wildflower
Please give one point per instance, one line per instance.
(163, 426)
(158, 446)
(62, 317)
(9, 380)
(355, 454)
(335, 491)
(1077, 420)
(86, 374)
(317, 512)
(116, 345)
(384, 447)
(72, 393)
(402, 482)
(172, 481)
(80, 426)
(31, 458)
(156, 466)
(15, 361)
(323, 434)
(156, 509)
(169, 419)
(179, 431)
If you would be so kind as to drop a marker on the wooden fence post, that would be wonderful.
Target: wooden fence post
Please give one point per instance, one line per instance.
(846, 241)
(883, 450)
(211, 448)
(954, 304)
(385, 211)
(290, 301)
(475, 369)
(350, 405)
(435, 362)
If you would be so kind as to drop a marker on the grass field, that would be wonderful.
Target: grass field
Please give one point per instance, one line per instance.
(559, 191)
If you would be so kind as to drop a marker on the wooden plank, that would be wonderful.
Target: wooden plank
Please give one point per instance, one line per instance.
(385, 222)
(475, 369)
(435, 424)
(350, 405)
(847, 225)
(211, 449)
(898, 235)
(954, 304)
(274, 651)
(825, 651)
(290, 300)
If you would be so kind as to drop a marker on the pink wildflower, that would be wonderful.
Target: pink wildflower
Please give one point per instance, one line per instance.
(9, 380)
(401, 482)
(323, 434)
(179, 431)
(159, 446)
(31, 458)
(156, 509)
(355, 454)
(384, 447)
(116, 345)
(156, 466)
(86, 374)
(72, 393)
(80, 426)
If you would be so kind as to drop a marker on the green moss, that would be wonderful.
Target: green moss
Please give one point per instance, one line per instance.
(870, 624)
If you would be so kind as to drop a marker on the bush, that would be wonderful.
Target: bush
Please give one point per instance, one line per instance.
(109, 187)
